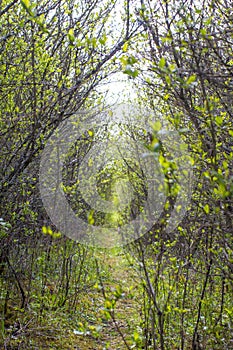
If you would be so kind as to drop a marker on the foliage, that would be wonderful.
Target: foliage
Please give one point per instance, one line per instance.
(175, 288)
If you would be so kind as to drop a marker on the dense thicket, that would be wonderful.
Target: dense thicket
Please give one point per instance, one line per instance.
(189, 80)
(53, 56)
(178, 54)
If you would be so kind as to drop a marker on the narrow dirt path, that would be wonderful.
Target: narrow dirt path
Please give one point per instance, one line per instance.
(126, 310)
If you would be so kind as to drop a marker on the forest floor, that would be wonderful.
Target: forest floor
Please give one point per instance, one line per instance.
(91, 327)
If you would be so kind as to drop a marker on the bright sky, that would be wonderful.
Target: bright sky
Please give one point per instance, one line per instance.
(118, 89)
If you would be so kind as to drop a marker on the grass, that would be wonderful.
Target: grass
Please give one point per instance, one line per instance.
(86, 327)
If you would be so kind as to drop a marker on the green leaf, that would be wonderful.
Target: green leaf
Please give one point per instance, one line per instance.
(166, 97)
(136, 336)
(124, 60)
(93, 41)
(157, 126)
(191, 79)
(131, 73)
(206, 209)
(166, 39)
(203, 32)
(131, 60)
(162, 62)
(26, 5)
(168, 80)
(103, 39)
(41, 25)
(44, 230)
(91, 219)
(219, 120)
(125, 46)
(71, 36)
